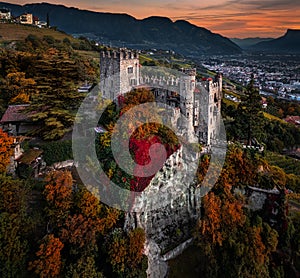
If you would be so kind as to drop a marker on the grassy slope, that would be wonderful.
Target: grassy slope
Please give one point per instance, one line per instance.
(288, 164)
(18, 32)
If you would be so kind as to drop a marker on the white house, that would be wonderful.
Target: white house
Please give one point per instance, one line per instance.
(5, 14)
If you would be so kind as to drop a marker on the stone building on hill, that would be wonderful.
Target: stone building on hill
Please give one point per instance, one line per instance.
(169, 215)
(198, 101)
(16, 121)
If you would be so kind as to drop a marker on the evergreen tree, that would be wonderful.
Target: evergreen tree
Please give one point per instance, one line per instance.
(249, 118)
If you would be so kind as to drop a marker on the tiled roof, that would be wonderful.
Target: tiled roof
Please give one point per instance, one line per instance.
(293, 119)
(29, 156)
(14, 114)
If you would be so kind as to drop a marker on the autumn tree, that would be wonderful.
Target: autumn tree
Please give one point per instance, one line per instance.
(48, 263)
(6, 150)
(91, 219)
(82, 232)
(125, 253)
(14, 226)
(241, 166)
(13, 245)
(19, 89)
(58, 194)
(232, 241)
(84, 267)
(13, 195)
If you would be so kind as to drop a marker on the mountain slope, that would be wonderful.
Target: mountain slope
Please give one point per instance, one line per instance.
(125, 30)
(288, 43)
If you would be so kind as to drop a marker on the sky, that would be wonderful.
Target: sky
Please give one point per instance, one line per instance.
(230, 18)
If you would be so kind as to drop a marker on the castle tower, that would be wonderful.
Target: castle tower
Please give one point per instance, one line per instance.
(119, 72)
(209, 98)
(187, 88)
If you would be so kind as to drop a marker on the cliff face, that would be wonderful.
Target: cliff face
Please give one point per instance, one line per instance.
(166, 210)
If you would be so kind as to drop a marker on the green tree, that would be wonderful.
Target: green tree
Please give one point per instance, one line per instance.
(249, 115)
(14, 227)
(13, 246)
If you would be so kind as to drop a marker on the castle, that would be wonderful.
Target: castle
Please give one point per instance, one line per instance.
(199, 102)
(170, 205)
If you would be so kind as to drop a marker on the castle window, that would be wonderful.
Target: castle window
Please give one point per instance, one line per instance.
(130, 70)
(132, 82)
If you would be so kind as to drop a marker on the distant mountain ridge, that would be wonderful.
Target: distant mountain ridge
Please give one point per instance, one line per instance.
(288, 43)
(125, 30)
(248, 42)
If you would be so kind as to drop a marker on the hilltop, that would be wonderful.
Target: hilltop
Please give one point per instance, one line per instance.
(124, 30)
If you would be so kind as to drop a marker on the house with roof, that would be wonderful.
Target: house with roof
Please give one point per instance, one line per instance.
(30, 163)
(5, 14)
(295, 120)
(272, 203)
(16, 120)
(26, 18)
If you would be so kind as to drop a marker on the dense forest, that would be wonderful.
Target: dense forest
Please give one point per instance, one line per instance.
(52, 226)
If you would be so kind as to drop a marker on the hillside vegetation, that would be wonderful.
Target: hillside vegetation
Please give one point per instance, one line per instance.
(17, 32)
(45, 72)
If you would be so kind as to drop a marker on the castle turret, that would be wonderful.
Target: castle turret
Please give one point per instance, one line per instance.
(209, 97)
(187, 88)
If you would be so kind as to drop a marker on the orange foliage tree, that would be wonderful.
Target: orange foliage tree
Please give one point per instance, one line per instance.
(19, 88)
(58, 193)
(48, 264)
(92, 218)
(5, 150)
(233, 242)
(126, 252)
(136, 246)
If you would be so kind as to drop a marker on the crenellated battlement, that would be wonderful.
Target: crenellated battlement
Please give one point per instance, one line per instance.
(159, 80)
(174, 81)
(188, 71)
(121, 54)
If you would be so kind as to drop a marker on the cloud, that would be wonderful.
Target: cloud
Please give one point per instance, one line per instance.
(221, 16)
(266, 4)
(230, 25)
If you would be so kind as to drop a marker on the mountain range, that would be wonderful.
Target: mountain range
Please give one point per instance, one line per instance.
(249, 42)
(288, 43)
(124, 30)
